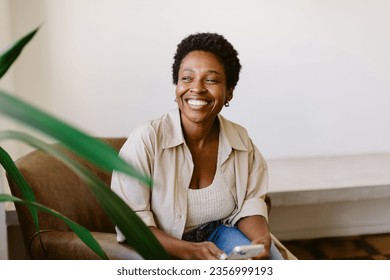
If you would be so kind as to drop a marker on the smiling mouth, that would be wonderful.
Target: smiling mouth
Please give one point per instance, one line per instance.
(197, 103)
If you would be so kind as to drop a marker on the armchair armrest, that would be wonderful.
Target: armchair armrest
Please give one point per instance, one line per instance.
(67, 245)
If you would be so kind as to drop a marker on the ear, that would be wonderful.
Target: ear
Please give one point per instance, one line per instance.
(229, 94)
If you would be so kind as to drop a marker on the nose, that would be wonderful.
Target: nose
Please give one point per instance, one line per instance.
(197, 87)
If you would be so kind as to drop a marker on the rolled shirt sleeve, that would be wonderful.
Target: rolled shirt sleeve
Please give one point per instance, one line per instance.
(131, 190)
(253, 186)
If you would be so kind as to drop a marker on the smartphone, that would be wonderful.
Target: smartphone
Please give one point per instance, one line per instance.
(245, 252)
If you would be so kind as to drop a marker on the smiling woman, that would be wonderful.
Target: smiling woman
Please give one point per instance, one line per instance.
(210, 180)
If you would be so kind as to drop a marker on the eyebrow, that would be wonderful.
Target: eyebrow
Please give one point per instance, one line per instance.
(208, 71)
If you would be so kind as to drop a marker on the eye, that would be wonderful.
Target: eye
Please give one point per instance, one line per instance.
(186, 79)
(211, 81)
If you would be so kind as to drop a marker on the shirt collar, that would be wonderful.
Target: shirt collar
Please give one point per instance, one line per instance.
(232, 135)
(173, 133)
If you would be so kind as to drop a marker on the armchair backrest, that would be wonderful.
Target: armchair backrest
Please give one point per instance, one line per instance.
(58, 187)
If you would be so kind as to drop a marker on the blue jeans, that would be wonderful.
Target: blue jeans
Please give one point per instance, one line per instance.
(226, 238)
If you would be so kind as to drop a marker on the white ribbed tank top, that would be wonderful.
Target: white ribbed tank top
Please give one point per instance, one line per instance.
(208, 204)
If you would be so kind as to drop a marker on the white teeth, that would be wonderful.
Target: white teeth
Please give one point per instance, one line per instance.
(197, 103)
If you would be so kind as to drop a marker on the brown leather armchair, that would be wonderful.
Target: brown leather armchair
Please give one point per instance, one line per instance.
(57, 187)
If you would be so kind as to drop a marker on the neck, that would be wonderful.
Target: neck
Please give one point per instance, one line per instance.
(199, 134)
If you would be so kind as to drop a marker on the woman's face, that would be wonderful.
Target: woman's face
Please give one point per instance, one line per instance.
(201, 88)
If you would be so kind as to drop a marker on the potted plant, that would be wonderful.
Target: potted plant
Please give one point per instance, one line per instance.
(136, 232)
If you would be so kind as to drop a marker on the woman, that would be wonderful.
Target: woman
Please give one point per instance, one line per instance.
(209, 179)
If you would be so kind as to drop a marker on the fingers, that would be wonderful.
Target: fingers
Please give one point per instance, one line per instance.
(216, 253)
(267, 245)
(222, 256)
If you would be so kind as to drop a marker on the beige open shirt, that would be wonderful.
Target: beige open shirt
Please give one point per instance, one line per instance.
(158, 149)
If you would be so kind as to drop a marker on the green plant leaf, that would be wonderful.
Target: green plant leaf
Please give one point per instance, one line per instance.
(81, 231)
(9, 166)
(97, 152)
(27, 193)
(8, 57)
(137, 234)
(75, 140)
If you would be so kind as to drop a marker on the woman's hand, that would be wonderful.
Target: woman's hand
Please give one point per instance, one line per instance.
(200, 251)
(187, 250)
(267, 245)
(255, 228)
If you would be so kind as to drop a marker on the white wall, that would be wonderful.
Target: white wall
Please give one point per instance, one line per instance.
(315, 78)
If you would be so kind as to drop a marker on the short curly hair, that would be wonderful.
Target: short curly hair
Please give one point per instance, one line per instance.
(214, 43)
